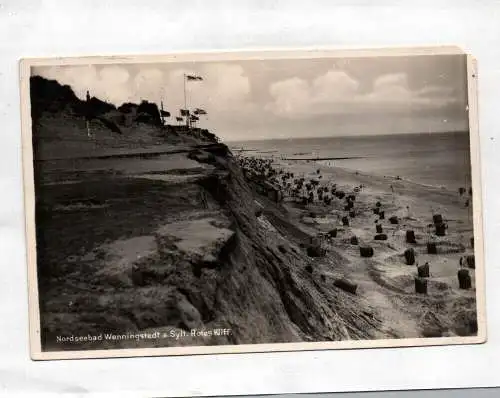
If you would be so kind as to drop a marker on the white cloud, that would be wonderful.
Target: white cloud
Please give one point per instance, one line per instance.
(297, 98)
(290, 97)
(334, 84)
(390, 89)
(393, 90)
(391, 80)
(224, 92)
(148, 84)
(338, 92)
(225, 88)
(108, 83)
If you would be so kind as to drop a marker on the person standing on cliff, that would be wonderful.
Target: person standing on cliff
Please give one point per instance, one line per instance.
(88, 114)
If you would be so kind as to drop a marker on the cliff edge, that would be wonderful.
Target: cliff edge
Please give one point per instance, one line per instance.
(170, 242)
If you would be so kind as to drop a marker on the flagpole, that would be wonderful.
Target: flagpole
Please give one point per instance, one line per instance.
(185, 100)
(87, 114)
(466, 174)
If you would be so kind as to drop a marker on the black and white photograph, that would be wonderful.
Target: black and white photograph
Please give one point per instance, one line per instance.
(250, 202)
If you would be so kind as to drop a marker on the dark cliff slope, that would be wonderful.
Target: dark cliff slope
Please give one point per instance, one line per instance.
(173, 244)
(182, 252)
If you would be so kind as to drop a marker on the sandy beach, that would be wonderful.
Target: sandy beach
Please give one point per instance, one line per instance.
(385, 280)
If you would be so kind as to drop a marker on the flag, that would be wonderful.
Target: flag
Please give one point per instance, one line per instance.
(184, 112)
(193, 77)
(199, 111)
(179, 119)
(164, 113)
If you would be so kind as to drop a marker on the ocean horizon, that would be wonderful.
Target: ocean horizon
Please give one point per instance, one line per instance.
(436, 159)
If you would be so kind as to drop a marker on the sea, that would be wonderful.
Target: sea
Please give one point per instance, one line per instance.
(434, 159)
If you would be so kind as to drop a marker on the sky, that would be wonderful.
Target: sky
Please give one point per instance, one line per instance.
(288, 98)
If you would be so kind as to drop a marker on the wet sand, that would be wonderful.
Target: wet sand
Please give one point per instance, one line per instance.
(385, 280)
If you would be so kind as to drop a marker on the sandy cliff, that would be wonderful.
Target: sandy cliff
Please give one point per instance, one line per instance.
(171, 242)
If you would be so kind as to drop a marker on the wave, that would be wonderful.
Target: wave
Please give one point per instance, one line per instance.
(396, 178)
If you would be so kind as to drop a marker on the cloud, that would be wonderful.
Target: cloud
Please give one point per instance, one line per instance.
(225, 92)
(389, 81)
(297, 98)
(290, 96)
(246, 100)
(108, 83)
(337, 92)
(392, 90)
(148, 84)
(334, 84)
(226, 86)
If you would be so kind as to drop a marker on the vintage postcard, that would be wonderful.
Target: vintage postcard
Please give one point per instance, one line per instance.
(252, 201)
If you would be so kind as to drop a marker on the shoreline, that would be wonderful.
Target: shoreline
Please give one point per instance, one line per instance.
(231, 143)
(396, 179)
(317, 159)
(384, 280)
(354, 173)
